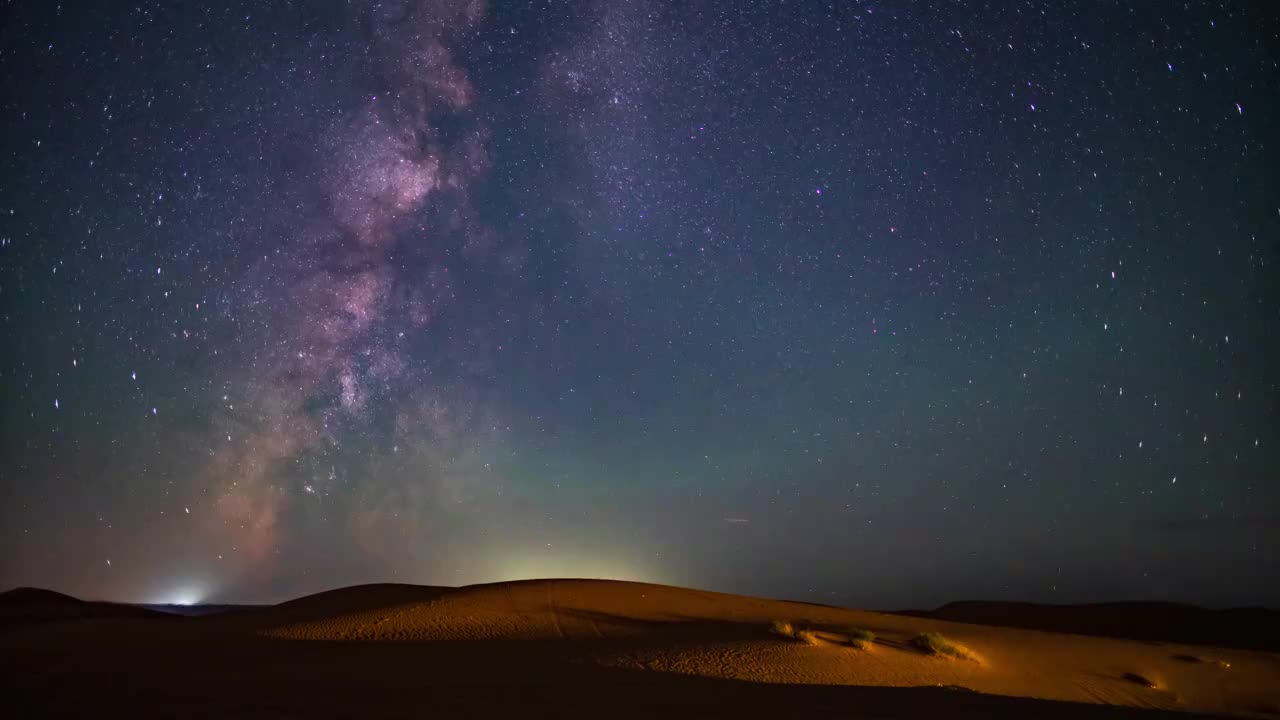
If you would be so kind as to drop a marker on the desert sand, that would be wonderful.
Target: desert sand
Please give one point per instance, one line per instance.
(590, 648)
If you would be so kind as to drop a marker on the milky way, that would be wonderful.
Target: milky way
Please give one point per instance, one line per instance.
(360, 283)
(858, 304)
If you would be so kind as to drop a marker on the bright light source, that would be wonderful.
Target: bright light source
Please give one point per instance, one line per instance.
(183, 596)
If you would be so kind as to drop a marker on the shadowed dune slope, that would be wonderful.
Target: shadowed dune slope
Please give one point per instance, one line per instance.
(33, 606)
(588, 647)
(330, 605)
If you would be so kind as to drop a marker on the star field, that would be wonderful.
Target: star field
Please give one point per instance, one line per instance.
(879, 305)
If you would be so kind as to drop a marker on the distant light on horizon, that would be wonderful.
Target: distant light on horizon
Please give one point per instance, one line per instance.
(186, 595)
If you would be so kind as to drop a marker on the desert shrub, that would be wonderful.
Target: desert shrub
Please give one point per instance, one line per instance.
(932, 643)
(783, 628)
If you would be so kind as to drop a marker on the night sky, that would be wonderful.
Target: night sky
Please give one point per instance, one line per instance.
(877, 304)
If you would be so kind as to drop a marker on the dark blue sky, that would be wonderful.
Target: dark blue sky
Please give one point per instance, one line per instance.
(871, 304)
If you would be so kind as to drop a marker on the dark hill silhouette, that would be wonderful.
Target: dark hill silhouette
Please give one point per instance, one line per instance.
(1247, 628)
(35, 596)
(198, 610)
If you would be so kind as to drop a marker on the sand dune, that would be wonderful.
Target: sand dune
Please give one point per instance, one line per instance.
(28, 606)
(604, 648)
